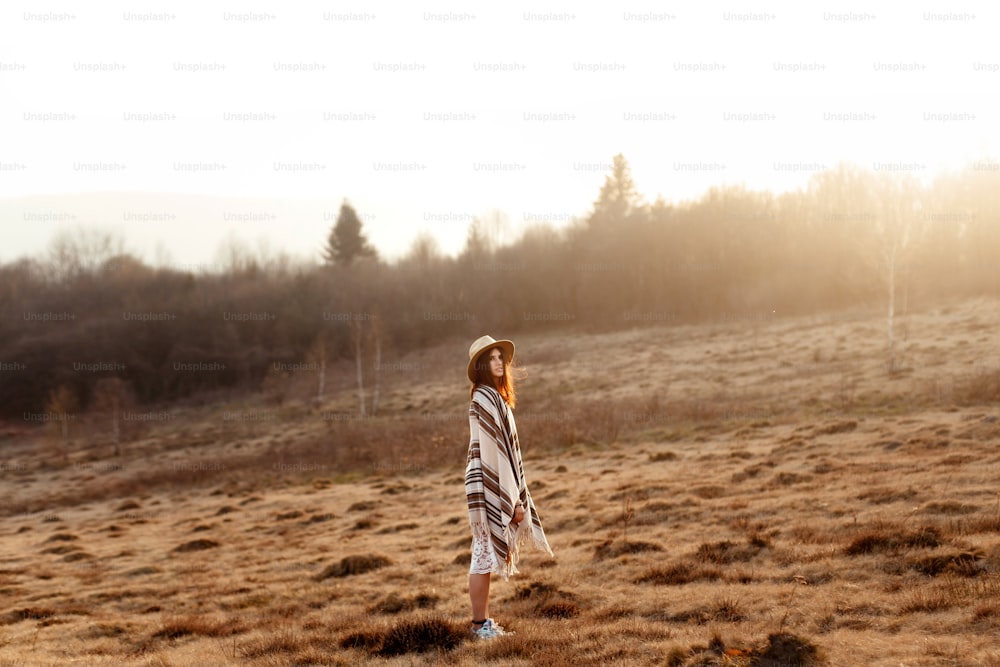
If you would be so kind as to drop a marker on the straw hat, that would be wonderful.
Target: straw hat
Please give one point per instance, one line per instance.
(484, 343)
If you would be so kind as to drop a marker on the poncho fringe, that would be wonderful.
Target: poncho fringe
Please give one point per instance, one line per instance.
(494, 481)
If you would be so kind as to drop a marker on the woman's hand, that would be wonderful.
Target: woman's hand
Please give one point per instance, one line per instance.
(518, 515)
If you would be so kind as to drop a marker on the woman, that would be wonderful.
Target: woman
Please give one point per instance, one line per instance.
(502, 515)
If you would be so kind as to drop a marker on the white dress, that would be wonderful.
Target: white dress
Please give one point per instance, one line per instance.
(484, 558)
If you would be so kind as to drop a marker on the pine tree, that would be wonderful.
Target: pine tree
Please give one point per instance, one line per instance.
(618, 195)
(347, 242)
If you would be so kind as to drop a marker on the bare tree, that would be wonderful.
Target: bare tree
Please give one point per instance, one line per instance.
(317, 356)
(112, 394)
(897, 228)
(487, 233)
(236, 257)
(276, 384)
(60, 408)
(77, 250)
(876, 218)
(898, 231)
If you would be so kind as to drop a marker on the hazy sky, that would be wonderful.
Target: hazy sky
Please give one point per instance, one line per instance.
(427, 115)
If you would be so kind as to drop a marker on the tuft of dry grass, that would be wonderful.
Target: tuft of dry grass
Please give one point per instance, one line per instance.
(61, 549)
(421, 634)
(393, 603)
(727, 552)
(367, 640)
(62, 537)
(982, 524)
(789, 650)
(949, 508)
(726, 610)
(197, 625)
(965, 564)
(881, 495)
(781, 649)
(195, 545)
(362, 506)
(980, 388)
(926, 601)
(836, 427)
(282, 644)
(615, 548)
(709, 491)
(26, 613)
(988, 611)
(893, 539)
(352, 565)
(678, 574)
(547, 600)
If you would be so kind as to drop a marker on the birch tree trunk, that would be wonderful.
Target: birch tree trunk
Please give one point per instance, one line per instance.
(321, 380)
(60, 404)
(891, 281)
(317, 355)
(116, 428)
(356, 330)
(900, 229)
(377, 335)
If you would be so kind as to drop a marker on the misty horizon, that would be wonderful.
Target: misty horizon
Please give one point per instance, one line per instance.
(110, 213)
(424, 120)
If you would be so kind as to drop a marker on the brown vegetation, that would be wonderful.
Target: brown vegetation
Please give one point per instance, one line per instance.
(778, 525)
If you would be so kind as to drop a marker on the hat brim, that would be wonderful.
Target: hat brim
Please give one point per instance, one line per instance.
(508, 352)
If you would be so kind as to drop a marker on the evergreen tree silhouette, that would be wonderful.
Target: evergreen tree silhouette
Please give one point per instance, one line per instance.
(347, 242)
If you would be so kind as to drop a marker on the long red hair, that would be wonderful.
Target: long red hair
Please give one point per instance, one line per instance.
(504, 385)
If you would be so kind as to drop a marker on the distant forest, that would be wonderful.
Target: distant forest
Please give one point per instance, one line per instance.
(86, 322)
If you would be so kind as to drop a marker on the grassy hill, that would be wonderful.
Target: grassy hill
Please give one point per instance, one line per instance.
(755, 491)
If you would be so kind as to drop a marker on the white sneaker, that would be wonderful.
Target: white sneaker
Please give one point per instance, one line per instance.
(489, 630)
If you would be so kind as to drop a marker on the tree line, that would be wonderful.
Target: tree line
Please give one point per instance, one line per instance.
(90, 325)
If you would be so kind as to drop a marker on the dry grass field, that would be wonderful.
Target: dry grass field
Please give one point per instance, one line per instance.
(759, 491)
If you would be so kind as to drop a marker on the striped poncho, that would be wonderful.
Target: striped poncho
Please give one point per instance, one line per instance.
(494, 481)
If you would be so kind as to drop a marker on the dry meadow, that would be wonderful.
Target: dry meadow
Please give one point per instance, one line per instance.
(757, 491)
